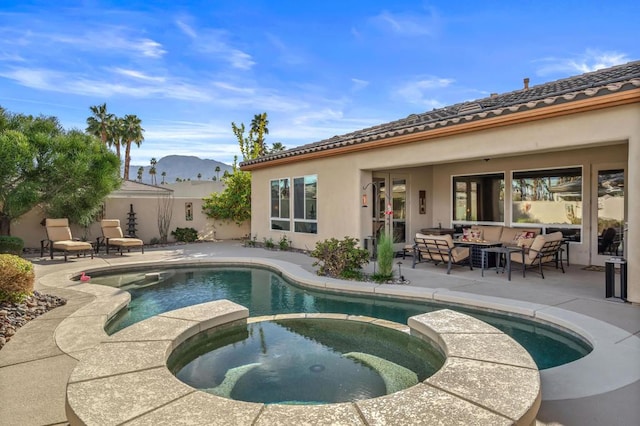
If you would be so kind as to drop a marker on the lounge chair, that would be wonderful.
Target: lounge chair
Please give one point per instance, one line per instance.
(112, 237)
(440, 249)
(59, 239)
(544, 249)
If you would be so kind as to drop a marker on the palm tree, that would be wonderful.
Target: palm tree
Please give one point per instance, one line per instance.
(277, 147)
(164, 175)
(131, 133)
(259, 128)
(199, 176)
(140, 172)
(217, 172)
(116, 135)
(98, 124)
(152, 171)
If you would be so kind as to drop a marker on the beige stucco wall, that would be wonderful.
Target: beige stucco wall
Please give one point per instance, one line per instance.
(29, 229)
(608, 137)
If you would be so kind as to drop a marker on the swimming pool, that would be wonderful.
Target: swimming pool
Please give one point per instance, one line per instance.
(265, 292)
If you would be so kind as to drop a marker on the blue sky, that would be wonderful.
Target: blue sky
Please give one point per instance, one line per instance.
(190, 68)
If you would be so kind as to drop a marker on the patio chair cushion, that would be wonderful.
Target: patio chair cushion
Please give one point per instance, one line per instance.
(58, 229)
(125, 242)
(539, 241)
(111, 228)
(72, 245)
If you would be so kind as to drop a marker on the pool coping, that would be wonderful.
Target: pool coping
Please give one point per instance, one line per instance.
(612, 357)
(124, 379)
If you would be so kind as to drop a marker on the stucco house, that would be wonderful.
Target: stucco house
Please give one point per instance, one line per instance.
(562, 155)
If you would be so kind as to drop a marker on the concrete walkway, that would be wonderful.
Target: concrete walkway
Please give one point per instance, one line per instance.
(604, 387)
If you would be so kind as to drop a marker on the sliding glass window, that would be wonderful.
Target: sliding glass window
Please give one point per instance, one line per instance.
(305, 207)
(478, 198)
(550, 197)
(280, 204)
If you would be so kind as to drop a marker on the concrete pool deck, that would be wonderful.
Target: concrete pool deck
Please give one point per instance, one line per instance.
(603, 388)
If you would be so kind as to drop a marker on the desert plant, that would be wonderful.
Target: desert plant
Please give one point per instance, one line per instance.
(268, 243)
(11, 245)
(185, 235)
(385, 258)
(340, 258)
(16, 278)
(165, 213)
(284, 243)
(154, 240)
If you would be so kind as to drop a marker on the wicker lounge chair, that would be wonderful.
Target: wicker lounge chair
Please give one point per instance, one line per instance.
(112, 237)
(59, 239)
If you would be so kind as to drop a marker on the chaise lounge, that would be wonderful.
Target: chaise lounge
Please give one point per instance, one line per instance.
(59, 238)
(112, 236)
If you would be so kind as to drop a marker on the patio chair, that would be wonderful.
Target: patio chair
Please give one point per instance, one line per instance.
(112, 237)
(544, 250)
(440, 249)
(59, 239)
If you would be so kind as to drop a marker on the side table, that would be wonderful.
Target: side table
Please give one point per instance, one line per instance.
(500, 252)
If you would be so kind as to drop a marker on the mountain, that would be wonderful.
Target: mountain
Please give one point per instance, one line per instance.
(181, 166)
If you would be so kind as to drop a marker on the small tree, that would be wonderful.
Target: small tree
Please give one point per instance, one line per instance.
(140, 173)
(234, 203)
(165, 214)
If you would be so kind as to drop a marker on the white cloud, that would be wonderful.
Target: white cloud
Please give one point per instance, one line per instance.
(138, 75)
(358, 84)
(241, 60)
(213, 41)
(78, 84)
(408, 24)
(186, 28)
(420, 91)
(590, 60)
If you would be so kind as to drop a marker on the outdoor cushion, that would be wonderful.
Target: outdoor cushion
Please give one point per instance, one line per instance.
(58, 229)
(72, 245)
(111, 228)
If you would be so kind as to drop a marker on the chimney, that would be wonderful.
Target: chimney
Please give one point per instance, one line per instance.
(526, 83)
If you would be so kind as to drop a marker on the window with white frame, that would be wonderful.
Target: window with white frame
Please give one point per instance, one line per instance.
(280, 204)
(550, 197)
(305, 204)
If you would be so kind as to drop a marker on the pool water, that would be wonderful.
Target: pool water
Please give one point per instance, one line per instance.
(333, 361)
(265, 292)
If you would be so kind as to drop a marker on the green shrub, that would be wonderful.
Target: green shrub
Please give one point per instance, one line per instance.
(154, 240)
(16, 278)
(284, 243)
(385, 259)
(185, 235)
(268, 243)
(340, 258)
(11, 245)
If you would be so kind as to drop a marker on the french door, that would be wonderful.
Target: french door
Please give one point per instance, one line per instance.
(390, 207)
(608, 213)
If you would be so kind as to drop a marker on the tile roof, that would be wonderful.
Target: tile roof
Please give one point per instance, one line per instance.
(592, 84)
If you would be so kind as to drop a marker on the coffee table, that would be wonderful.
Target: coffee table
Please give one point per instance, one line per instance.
(500, 252)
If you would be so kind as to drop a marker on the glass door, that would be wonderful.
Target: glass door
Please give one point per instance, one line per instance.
(390, 209)
(609, 217)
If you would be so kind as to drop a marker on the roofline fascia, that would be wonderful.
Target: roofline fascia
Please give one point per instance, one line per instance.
(585, 105)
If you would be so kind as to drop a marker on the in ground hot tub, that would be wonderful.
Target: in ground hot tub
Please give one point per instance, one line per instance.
(304, 361)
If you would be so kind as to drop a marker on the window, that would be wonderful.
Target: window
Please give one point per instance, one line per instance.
(478, 198)
(280, 205)
(305, 207)
(188, 211)
(548, 197)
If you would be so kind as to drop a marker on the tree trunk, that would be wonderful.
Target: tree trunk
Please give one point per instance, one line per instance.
(5, 224)
(127, 160)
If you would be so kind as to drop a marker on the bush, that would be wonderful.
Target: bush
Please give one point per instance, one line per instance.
(340, 258)
(11, 245)
(16, 278)
(268, 243)
(385, 259)
(185, 235)
(284, 243)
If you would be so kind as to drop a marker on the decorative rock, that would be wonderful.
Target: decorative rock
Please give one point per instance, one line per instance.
(15, 315)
